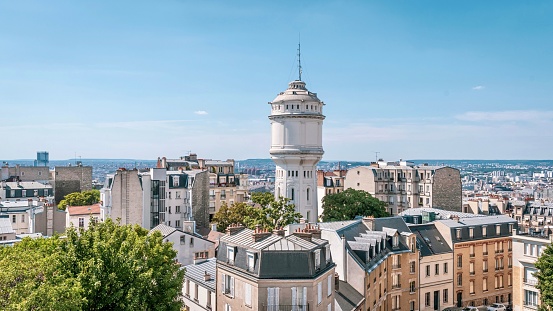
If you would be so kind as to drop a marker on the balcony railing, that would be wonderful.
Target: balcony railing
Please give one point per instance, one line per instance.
(394, 286)
(396, 266)
(285, 307)
(485, 253)
(531, 304)
(530, 282)
(485, 270)
(498, 251)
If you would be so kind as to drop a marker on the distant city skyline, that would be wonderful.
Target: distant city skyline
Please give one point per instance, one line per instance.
(142, 79)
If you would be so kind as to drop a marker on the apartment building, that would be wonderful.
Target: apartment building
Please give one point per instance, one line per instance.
(260, 270)
(189, 245)
(435, 269)
(225, 186)
(34, 216)
(6, 231)
(22, 190)
(199, 285)
(482, 256)
(81, 216)
(526, 250)
(378, 258)
(403, 185)
(329, 183)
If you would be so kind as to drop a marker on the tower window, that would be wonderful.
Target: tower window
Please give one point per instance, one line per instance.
(292, 194)
(307, 194)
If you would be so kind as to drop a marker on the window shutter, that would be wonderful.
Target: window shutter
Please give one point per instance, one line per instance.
(277, 295)
(248, 294)
(329, 285)
(294, 298)
(223, 283)
(270, 297)
(232, 286)
(319, 292)
(304, 301)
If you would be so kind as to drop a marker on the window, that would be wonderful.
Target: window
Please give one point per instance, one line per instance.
(427, 270)
(248, 294)
(458, 234)
(530, 298)
(437, 269)
(445, 295)
(292, 194)
(329, 285)
(14, 219)
(299, 298)
(395, 241)
(251, 262)
(411, 306)
(183, 239)
(459, 261)
(177, 223)
(471, 248)
(412, 267)
(412, 286)
(319, 292)
(273, 295)
(191, 242)
(208, 303)
(485, 249)
(317, 254)
(471, 233)
(187, 292)
(230, 254)
(196, 292)
(460, 279)
(445, 267)
(22, 218)
(485, 266)
(177, 209)
(471, 286)
(485, 284)
(307, 194)
(81, 222)
(228, 285)
(497, 229)
(484, 231)
(471, 267)
(427, 299)
(327, 253)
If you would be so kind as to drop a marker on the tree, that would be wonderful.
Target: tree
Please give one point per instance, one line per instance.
(88, 197)
(350, 203)
(270, 213)
(107, 267)
(544, 264)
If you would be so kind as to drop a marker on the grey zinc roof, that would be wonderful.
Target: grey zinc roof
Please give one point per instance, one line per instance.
(196, 272)
(395, 222)
(429, 239)
(164, 229)
(476, 221)
(389, 231)
(346, 297)
(440, 213)
(5, 225)
(337, 225)
(244, 239)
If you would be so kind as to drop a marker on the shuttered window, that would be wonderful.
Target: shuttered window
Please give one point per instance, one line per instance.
(329, 285)
(248, 294)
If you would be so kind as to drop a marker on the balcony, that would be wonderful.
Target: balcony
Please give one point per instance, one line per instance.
(471, 255)
(531, 282)
(485, 253)
(396, 266)
(285, 307)
(499, 251)
(485, 270)
(396, 286)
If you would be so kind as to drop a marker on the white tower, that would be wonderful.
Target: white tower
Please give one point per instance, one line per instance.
(296, 145)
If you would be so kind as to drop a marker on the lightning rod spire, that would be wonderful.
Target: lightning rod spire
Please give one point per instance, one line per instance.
(299, 59)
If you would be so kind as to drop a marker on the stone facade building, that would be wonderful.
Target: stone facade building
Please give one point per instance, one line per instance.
(259, 270)
(403, 185)
(526, 250)
(69, 179)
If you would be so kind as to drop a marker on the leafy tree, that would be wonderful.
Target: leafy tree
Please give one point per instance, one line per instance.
(350, 203)
(545, 278)
(88, 197)
(107, 267)
(269, 213)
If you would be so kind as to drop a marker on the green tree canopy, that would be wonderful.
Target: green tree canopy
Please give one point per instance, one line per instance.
(350, 203)
(269, 213)
(107, 267)
(88, 197)
(544, 264)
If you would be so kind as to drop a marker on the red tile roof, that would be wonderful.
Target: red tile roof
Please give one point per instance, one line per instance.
(84, 210)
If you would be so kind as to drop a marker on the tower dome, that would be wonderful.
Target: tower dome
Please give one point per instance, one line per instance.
(296, 146)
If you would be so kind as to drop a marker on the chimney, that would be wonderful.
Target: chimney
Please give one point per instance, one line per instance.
(30, 202)
(259, 233)
(314, 230)
(279, 231)
(369, 222)
(336, 281)
(234, 228)
(207, 276)
(455, 217)
(303, 234)
(213, 227)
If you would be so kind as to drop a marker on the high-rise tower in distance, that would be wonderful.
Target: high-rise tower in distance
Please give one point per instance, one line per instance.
(296, 145)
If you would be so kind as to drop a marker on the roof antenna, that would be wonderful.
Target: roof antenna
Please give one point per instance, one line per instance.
(299, 57)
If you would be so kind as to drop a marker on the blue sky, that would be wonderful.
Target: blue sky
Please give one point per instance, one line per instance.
(142, 79)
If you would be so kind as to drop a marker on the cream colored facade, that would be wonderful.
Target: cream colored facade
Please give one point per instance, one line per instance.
(436, 282)
(526, 250)
(225, 185)
(403, 185)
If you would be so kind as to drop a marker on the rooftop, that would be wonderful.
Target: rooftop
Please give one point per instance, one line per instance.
(93, 209)
(198, 271)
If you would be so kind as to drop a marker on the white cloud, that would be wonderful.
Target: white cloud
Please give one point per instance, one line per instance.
(478, 87)
(201, 112)
(507, 115)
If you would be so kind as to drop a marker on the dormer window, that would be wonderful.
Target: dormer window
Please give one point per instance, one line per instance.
(458, 235)
(395, 241)
(511, 228)
(230, 254)
(471, 233)
(498, 229)
(484, 231)
(317, 259)
(327, 253)
(251, 262)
